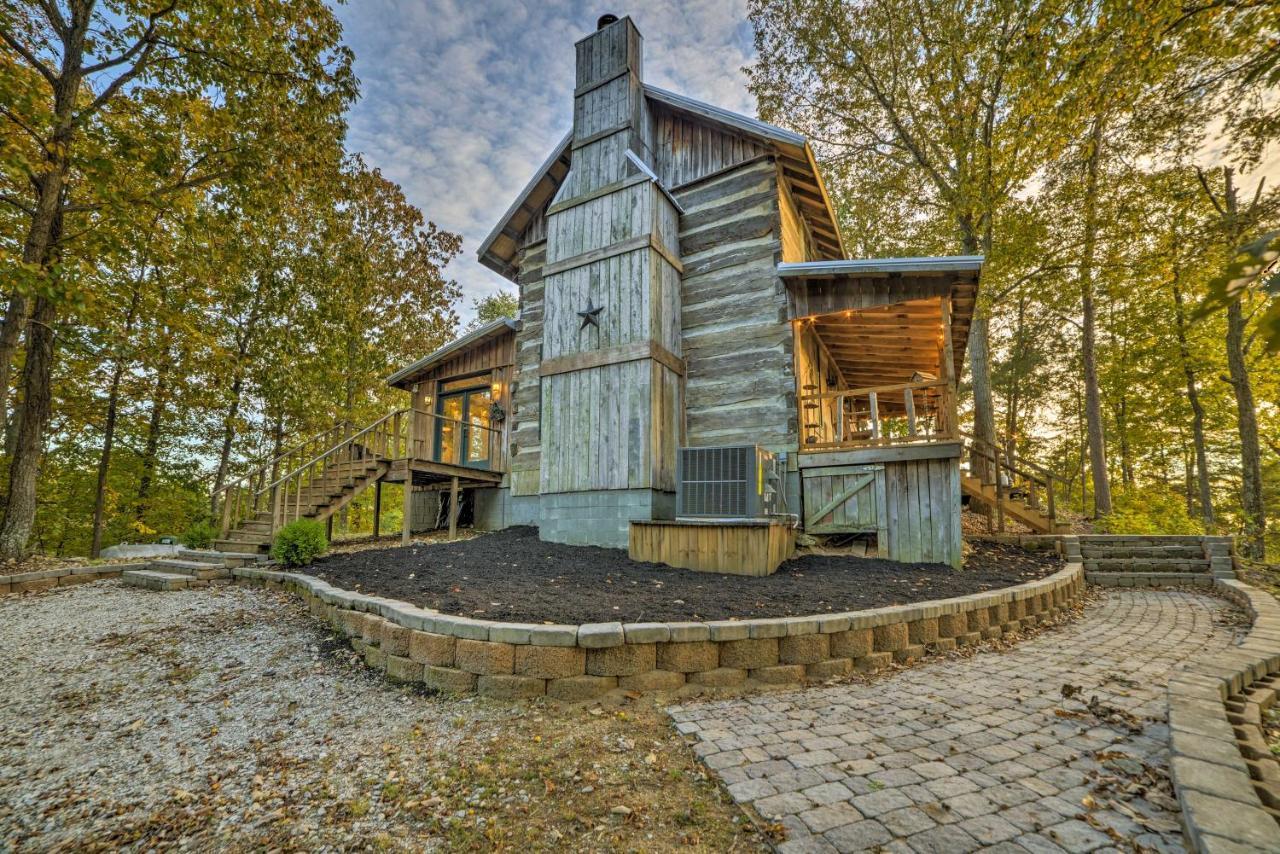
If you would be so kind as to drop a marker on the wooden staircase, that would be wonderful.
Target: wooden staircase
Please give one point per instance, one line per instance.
(320, 477)
(318, 499)
(1013, 487)
(323, 474)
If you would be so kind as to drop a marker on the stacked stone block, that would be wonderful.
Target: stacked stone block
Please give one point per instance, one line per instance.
(579, 663)
(1142, 561)
(1224, 775)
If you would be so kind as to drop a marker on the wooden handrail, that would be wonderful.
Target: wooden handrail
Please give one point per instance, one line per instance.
(929, 419)
(1006, 460)
(338, 447)
(240, 498)
(879, 389)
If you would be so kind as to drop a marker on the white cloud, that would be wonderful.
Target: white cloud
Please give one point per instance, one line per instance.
(461, 101)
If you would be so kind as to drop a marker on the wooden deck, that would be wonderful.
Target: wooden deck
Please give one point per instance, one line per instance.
(733, 547)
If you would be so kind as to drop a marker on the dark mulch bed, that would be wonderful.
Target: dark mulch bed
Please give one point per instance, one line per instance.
(514, 576)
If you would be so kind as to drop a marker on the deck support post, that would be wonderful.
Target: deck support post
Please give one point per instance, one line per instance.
(453, 508)
(377, 508)
(405, 528)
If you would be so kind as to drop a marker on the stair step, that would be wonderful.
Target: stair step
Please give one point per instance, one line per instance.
(240, 547)
(1118, 564)
(151, 579)
(217, 558)
(1174, 552)
(192, 568)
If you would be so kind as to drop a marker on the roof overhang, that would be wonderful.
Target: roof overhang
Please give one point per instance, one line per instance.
(405, 377)
(498, 250)
(796, 162)
(819, 290)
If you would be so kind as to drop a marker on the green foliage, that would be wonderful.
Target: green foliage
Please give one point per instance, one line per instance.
(299, 543)
(1253, 267)
(200, 535)
(1150, 510)
(494, 306)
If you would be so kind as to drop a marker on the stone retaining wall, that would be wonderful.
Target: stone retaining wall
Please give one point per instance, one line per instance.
(578, 663)
(44, 579)
(1225, 778)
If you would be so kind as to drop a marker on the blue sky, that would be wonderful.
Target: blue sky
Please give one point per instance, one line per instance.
(461, 101)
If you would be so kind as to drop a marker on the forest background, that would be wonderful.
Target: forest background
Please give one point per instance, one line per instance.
(197, 274)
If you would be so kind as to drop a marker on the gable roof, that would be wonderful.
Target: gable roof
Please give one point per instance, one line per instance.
(795, 158)
(404, 377)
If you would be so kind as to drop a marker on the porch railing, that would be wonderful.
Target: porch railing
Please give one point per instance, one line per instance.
(406, 434)
(1013, 477)
(878, 416)
(241, 499)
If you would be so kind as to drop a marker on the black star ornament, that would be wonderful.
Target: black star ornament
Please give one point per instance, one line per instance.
(590, 315)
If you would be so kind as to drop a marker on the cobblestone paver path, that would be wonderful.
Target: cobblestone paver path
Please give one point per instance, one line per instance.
(979, 753)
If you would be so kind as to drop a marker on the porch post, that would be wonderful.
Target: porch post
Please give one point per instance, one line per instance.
(949, 369)
(407, 525)
(377, 508)
(453, 508)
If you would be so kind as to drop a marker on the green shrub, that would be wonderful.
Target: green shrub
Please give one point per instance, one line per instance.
(1149, 510)
(200, 535)
(299, 543)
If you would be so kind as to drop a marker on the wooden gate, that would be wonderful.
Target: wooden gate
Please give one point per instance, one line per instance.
(845, 500)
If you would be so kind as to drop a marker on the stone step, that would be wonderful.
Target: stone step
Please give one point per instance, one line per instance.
(217, 558)
(151, 579)
(1145, 565)
(1180, 551)
(1140, 539)
(243, 536)
(193, 568)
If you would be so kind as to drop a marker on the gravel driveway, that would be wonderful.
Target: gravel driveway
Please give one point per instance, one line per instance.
(230, 719)
(126, 716)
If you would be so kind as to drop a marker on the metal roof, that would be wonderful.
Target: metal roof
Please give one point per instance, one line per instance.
(475, 336)
(725, 117)
(538, 177)
(943, 264)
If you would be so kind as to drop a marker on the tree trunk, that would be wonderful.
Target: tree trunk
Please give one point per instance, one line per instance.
(1197, 410)
(109, 426)
(228, 436)
(15, 322)
(1088, 337)
(20, 515)
(104, 460)
(151, 450)
(1251, 502)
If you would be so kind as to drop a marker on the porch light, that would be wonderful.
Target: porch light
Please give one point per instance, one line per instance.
(496, 388)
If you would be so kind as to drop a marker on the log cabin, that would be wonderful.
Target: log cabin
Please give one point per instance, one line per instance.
(684, 291)
(683, 283)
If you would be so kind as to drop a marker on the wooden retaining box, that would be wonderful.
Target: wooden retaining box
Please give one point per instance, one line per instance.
(733, 547)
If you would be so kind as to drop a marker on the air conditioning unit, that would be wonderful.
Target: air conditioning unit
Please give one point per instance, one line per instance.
(729, 482)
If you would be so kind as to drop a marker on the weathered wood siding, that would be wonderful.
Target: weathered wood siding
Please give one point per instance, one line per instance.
(493, 363)
(912, 505)
(740, 386)
(922, 508)
(685, 149)
(609, 408)
(797, 239)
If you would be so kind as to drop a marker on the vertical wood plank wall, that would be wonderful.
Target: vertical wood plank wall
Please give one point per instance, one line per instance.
(913, 506)
(494, 360)
(922, 508)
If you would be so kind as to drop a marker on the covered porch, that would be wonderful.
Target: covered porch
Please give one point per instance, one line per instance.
(878, 347)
